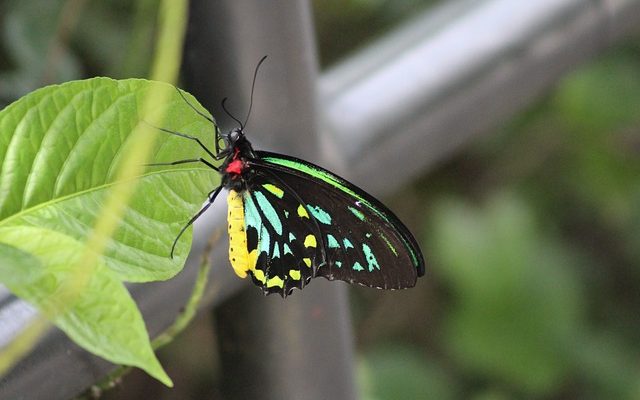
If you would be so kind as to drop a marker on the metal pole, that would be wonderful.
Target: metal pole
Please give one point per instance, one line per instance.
(454, 73)
(272, 348)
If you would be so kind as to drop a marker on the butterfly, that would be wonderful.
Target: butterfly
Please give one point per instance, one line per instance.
(290, 221)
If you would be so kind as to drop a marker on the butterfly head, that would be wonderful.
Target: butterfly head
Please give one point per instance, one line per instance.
(232, 137)
(237, 151)
(229, 142)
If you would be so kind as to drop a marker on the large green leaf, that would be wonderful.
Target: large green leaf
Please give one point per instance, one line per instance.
(60, 148)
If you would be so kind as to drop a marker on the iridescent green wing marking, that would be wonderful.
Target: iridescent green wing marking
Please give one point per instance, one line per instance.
(357, 239)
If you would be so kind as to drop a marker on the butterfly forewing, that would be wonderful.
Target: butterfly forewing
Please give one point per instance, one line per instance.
(356, 238)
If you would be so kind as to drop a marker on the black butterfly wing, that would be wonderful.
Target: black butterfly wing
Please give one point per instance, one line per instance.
(357, 239)
(286, 248)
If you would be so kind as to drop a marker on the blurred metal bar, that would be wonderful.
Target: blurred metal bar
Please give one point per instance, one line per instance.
(269, 348)
(407, 101)
(420, 93)
(298, 348)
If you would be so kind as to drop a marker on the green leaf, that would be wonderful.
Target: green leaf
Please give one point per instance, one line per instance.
(60, 148)
(18, 267)
(101, 318)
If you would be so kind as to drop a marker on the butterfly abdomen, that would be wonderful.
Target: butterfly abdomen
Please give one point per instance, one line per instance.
(238, 254)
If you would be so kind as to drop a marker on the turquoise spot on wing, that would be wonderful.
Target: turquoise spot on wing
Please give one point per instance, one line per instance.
(252, 218)
(372, 262)
(276, 251)
(264, 240)
(320, 214)
(368, 235)
(347, 243)
(338, 264)
(332, 242)
(286, 214)
(251, 215)
(357, 213)
(292, 237)
(357, 266)
(269, 212)
(286, 249)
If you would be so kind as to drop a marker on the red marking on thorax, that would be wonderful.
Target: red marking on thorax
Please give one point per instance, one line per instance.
(236, 166)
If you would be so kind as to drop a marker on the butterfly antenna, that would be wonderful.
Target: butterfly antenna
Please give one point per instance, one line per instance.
(253, 86)
(231, 115)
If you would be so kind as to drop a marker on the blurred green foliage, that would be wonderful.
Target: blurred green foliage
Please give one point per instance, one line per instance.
(54, 41)
(532, 234)
(517, 303)
(401, 372)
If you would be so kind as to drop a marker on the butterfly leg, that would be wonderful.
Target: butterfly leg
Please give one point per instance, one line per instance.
(203, 115)
(200, 113)
(184, 135)
(212, 196)
(191, 160)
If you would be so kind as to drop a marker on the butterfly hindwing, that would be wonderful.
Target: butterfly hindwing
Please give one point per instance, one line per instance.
(356, 238)
(281, 235)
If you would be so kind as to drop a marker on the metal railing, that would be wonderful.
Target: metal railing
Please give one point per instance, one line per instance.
(405, 103)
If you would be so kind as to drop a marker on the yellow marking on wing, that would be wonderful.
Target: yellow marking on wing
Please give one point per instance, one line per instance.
(238, 254)
(302, 212)
(307, 261)
(253, 257)
(294, 274)
(259, 275)
(275, 281)
(310, 241)
(276, 191)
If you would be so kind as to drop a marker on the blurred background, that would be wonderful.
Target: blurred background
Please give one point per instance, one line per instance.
(531, 230)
